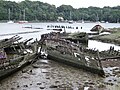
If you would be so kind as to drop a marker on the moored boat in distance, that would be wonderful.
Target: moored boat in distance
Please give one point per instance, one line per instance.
(10, 21)
(70, 22)
(21, 22)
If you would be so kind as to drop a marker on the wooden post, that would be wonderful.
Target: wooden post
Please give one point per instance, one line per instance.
(98, 55)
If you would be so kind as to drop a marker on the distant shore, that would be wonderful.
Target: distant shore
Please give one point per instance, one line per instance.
(34, 21)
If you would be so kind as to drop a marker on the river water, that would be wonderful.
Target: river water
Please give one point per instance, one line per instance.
(15, 28)
(51, 75)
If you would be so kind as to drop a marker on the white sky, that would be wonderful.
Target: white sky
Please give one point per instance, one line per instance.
(80, 3)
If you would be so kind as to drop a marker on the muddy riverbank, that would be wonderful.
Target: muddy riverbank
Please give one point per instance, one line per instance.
(43, 75)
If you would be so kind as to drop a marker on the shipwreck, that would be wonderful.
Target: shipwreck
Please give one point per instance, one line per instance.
(70, 53)
(14, 55)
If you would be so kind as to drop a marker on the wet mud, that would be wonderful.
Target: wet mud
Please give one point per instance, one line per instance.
(50, 75)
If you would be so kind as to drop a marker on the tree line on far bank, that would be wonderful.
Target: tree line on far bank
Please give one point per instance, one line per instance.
(39, 11)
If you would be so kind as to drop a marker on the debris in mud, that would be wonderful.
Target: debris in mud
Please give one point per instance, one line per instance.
(53, 86)
(111, 80)
(24, 71)
(12, 88)
(56, 82)
(42, 87)
(39, 83)
(44, 71)
(112, 71)
(89, 83)
(25, 85)
(35, 66)
(25, 75)
(101, 85)
(47, 77)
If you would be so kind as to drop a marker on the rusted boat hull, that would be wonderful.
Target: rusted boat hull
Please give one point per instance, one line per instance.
(70, 53)
(80, 40)
(8, 72)
(76, 37)
(73, 61)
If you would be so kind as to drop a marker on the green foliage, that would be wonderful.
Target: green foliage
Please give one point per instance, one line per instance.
(39, 11)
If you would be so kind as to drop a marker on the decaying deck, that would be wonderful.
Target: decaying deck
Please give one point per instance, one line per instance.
(15, 55)
(73, 54)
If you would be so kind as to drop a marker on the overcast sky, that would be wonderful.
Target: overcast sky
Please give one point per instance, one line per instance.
(80, 3)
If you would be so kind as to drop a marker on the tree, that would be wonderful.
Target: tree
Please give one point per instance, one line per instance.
(36, 10)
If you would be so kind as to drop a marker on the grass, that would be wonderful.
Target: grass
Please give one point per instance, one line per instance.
(114, 37)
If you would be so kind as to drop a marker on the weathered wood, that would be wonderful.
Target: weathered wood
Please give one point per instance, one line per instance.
(117, 57)
(100, 64)
(8, 42)
(19, 59)
(65, 51)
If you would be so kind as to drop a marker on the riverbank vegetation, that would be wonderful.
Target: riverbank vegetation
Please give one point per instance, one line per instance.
(39, 11)
(114, 37)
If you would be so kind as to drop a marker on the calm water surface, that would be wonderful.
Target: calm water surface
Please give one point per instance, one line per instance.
(49, 74)
(6, 28)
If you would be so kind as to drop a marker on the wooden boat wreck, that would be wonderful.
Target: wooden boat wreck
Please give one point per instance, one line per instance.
(67, 52)
(79, 37)
(18, 56)
(99, 29)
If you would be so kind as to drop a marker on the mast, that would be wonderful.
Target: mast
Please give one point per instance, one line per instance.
(24, 15)
(9, 14)
(70, 15)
